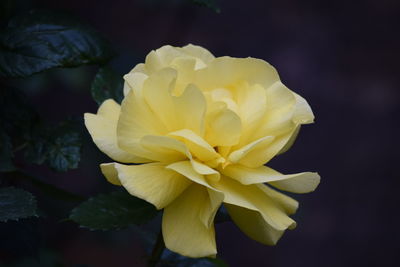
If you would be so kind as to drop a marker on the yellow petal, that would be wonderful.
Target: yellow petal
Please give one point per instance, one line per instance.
(152, 182)
(186, 169)
(253, 198)
(157, 91)
(303, 113)
(242, 155)
(103, 129)
(111, 174)
(289, 204)
(183, 230)
(253, 225)
(297, 183)
(164, 148)
(223, 128)
(197, 145)
(202, 55)
(291, 140)
(134, 80)
(223, 71)
(190, 109)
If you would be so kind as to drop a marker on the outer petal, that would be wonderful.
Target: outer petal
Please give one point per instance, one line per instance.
(103, 129)
(224, 71)
(297, 183)
(111, 174)
(183, 225)
(186, 169)
(253, 225)
(152, 182)
(202, 55)
(253, 198)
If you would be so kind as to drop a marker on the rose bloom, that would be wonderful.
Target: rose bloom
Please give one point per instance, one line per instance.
(202, 129)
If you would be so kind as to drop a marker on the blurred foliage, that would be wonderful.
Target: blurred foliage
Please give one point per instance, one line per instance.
(42, 41)
(112, 211)
(16, 204)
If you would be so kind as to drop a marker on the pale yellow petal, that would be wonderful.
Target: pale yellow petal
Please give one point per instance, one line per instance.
(103, 129)
(164, 148)
(157, 91)
(209, 211)
(152, 182)
(183, 229)
(303, 113)
(111, 174)
(253, 225)
(134, 81)
(223, 128)
(223, 71)
(291, 140)
(205, 170)
(202, 55)
(289, 204)
(186, 169)
(253, 198)
(297, 183)
(197, 145)
(247, 155)
(190, 109)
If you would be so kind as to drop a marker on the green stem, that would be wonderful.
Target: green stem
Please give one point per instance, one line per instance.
(157, 252)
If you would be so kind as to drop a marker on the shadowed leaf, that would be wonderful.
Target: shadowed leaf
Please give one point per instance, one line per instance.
(16, 204)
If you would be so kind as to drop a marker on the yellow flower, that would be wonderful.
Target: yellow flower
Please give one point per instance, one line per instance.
(204, 127)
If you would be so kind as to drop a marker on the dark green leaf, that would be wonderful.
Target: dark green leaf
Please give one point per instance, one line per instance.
(208, 3)
(107, 84)
(16, 204)
(112, 211)
(59, 147)
(41, 40)
(6, 153)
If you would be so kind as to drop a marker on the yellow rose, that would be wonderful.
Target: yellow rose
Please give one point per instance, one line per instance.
(204, 127)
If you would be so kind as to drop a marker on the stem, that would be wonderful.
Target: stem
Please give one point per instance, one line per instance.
(158, 250)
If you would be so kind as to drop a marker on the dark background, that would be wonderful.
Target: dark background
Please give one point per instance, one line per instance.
(341, 56)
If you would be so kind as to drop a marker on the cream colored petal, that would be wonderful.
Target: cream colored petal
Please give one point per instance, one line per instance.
(223, 128)
(103, 129)
(157, 94)
(186, 169)
(223, 71)
(199, 53)
(297, 183)
(136, 120)
(164, 148)
(134, 80)
(205, 170)
(289, 204)
(152, 182)
(209, 211)
(304, 182)
(253, 198)
(291, 140)
(197, 145)
(111, 174)
(241, 155)
(303, 113)
(253, 225)
(190, 109)
(183, 230)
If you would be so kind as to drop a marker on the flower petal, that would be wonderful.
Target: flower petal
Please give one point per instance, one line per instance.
(186, 169)
(202, 55)
(297, 183)
(197, 145)
(253, 198)
(111, 174)
(224, 71)
(253, 225)
(183, 230)
(164, 148)
(241, 155)
(152, 182)
(289, 204)
(103, 129)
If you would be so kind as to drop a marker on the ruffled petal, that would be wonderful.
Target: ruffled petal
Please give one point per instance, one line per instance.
(152, 182)
(111, 174)
(103, 129)
(203, 56)
(253, 198)
(304, 182)
(183, 225)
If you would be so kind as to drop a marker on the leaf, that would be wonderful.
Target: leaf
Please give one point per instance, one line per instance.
(42, 40)
(107, 84)
(112, 211)
(59, 147)
(173, 259)
(6, 154)
(16, 204)
(207, 3)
